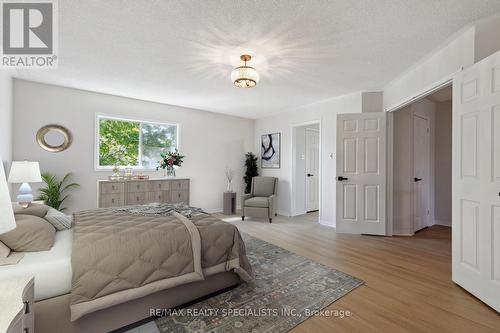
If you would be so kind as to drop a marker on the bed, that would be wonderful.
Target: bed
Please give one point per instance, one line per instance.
(65, 299)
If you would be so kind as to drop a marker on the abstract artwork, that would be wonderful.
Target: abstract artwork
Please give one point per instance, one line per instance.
(270, 151)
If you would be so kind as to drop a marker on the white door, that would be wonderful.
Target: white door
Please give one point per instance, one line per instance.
(476, 180)
(421, 171)
(361, 180)
(312, 169)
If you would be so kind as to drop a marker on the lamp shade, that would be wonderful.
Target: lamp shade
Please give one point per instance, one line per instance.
(7, 221)
(25, 172)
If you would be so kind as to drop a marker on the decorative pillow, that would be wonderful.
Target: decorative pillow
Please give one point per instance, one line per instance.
(31, 234)
(59, 220)
(4, 251)
(33, 209)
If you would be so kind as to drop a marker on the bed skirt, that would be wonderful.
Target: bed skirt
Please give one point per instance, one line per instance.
(53, 314)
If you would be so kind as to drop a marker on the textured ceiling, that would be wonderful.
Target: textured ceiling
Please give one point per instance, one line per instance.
(182, 52)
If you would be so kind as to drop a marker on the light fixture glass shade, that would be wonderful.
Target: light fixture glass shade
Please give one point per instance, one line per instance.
(7, 221)
(245, 77)
(25, 172)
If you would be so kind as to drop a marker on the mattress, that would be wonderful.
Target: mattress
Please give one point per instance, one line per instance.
(51, 269)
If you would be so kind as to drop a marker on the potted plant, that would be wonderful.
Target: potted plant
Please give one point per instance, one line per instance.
(251, 170)
(168, 161)
(54, 191)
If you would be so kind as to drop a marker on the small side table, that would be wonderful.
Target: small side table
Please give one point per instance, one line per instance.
(229, 203)
(16, 302)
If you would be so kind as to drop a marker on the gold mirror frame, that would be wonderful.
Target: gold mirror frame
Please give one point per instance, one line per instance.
(40, 138)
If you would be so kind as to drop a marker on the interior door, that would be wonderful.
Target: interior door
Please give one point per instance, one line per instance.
(312, 169)
(421, 171)
(361, 173)
(476, 180)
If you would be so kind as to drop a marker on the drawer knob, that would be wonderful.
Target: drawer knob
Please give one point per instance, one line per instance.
(137, 198)
(138, 186)
(113, 188)
(26, 307)
(112, 200)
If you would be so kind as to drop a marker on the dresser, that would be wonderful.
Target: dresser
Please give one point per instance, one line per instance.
(116, 193)
(16, 304)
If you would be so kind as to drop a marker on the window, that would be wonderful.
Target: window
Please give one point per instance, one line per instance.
(124, 142)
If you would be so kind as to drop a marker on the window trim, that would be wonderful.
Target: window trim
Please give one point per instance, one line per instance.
(99, 116)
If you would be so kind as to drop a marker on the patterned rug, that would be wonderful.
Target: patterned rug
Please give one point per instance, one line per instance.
(287, 290)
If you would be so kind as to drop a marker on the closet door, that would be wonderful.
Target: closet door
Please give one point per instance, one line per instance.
(476, 180)
(361, 173)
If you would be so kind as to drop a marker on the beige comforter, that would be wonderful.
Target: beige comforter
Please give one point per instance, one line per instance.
(118, 256)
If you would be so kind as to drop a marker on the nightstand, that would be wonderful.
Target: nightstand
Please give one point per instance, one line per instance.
(16, 301)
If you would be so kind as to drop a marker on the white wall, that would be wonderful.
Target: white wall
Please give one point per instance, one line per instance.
(6, 118)
(326, 112)
(403, 165)
(210, 141)
(443, 162)
(436, 67)
(487, 41)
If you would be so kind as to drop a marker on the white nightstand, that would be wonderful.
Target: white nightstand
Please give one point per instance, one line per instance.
(16, 301)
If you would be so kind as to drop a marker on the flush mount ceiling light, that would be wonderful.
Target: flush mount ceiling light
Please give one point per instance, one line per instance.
(245, 76)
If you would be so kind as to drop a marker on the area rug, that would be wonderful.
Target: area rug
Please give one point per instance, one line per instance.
(287, 290)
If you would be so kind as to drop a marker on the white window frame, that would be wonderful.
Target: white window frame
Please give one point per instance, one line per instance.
(99, 116)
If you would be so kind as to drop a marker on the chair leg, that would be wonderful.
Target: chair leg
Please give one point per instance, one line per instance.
(243, 218)
(270, 220)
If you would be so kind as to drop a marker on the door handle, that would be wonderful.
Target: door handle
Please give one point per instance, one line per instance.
(417, 179)
(309, 175)
(340, 178)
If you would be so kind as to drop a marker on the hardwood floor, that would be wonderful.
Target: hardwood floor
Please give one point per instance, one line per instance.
(408, 279)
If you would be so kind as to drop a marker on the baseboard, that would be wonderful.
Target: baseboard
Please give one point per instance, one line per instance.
(298, 213)
(213, 210)
(402, 233)
(329, 224)
(443, 223)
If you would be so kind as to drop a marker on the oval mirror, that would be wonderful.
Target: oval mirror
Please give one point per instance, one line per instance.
(54, 138)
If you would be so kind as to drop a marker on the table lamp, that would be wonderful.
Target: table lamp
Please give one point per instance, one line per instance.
(7, 221)
(25, 172)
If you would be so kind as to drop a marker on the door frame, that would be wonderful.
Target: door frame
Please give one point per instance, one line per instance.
(390, 143)
(294, 186)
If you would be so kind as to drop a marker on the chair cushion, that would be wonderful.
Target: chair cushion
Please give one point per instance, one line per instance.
(263, 186)
(262, 202)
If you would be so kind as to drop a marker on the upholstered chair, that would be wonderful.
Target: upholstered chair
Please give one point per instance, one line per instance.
(261, 201)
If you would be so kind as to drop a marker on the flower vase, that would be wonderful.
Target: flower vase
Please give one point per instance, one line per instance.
(229, 187)
(169, 171)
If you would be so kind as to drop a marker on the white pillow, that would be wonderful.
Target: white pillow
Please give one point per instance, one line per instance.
(59, 220)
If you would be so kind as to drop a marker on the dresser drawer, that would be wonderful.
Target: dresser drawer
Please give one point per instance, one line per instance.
(137, 198)
(180, 184)
(180, 196)
(112, 200)
(162, 196)
(159, 185)
(134, 187)
(110, 188)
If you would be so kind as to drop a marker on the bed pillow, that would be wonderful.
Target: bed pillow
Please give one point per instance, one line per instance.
(59, 220)
(31, 234)
(4, 251)
(33, 209)
(7, 257)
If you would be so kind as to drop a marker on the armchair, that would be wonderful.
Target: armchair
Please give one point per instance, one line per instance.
(261, 201)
